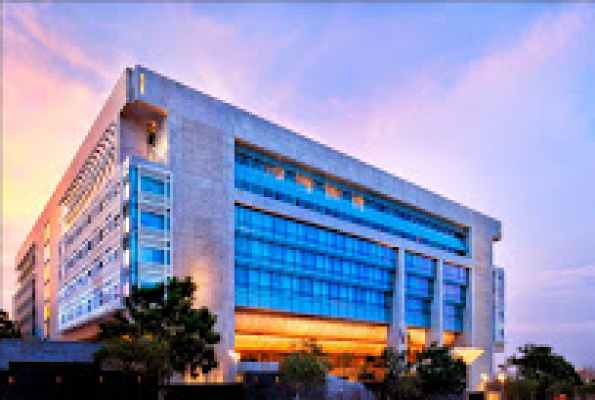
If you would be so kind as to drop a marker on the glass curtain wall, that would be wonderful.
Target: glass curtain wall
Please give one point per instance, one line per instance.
(456, 282)
(264, 176)
(420, 274)
(281, 264)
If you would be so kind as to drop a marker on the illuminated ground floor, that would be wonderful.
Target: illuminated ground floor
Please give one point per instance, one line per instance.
(349, 346)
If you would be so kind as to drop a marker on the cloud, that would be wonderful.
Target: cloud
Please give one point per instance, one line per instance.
(46, 114)
(558, 328)
(506, 131)
(26, 27)
(567, 276)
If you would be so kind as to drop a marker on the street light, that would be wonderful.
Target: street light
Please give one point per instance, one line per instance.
(234, 356)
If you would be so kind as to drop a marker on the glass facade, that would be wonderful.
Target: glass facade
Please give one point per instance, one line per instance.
(152, 221)
(92, 277)
(286, 265)
(152, 255)
(131, 215)
(257, 173)
(499, 304)
(456, 283)
(420, 275)
(147, 240)
(152, 185)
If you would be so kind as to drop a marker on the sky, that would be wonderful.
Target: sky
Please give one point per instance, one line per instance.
(488, 105)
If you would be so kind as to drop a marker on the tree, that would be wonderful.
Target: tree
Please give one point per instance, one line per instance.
(305, 370)
(368, 369)
(164, 313)
(346, 361)
(145, 356)
(586, 390)
(8, 329)
(548, 369)
(525, 389)
(399, 380)
(439, 372)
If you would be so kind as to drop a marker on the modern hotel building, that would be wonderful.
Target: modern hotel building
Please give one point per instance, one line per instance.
(285, 237)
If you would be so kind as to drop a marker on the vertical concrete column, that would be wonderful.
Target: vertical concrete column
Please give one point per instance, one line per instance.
(203, 224)
(466, 338)
(397, 333)
(481, 324)
(402, 300)
(437, 318)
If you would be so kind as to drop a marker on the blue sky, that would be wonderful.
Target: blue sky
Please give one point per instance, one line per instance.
(489, 105)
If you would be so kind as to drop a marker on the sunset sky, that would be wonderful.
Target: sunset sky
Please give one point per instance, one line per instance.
(492, 106)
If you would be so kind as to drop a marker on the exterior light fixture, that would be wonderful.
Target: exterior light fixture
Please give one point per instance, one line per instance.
(467, 354)
(142, 83)
(234, 356)
(151, 133)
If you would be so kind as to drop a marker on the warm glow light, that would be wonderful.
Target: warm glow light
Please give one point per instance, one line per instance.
(300, 327)
(358, 201)
(416, 336)
(501, 377)
(467, 354)
(485, 377)
(448, 338)
(142, 83)
(304, 180)
(265, 343)
(234, 356)
(332, 191)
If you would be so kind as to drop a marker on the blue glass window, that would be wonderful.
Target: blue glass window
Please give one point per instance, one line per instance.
(418, 312)
(420, 274)
(151, 220)
(303, 189)
(454, 293)
(152, 185)
(456, 282)
(417, 286)
(456, 274)
(453, 317)
(152, 255)
(324, 280)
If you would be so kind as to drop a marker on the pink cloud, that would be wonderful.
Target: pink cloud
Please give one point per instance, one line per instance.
(490, 133)
(29, 29)
(45, 116)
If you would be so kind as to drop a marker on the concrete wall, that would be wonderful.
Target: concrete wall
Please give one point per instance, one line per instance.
(201, 161)
(12, 350)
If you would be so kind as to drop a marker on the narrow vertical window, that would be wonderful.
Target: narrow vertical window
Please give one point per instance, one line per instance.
(142, 83)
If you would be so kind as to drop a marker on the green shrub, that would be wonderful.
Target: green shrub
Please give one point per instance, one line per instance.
(305, 369)
(585, 390)
(525, 389)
